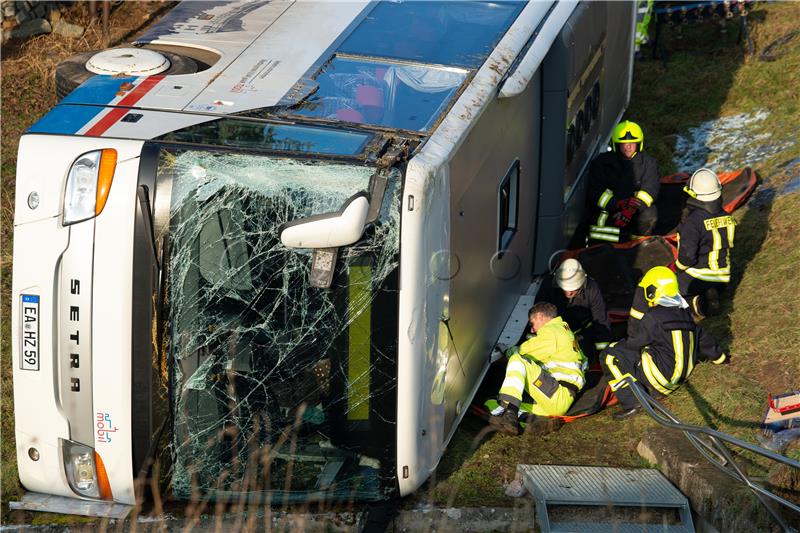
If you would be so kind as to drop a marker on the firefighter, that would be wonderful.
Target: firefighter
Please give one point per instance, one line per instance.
(623, 188)
(705, 239)
(580, 303)
(549, 367)
(667, 346)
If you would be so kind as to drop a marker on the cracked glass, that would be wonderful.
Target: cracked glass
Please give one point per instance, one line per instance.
(281, 391)
(381, 93)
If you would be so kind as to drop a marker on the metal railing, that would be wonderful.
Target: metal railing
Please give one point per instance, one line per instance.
(712, 445)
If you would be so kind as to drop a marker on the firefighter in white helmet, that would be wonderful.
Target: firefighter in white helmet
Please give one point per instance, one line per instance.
(705, 239)
(580, 303)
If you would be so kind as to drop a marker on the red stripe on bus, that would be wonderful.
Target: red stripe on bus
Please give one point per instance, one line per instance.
(110, 118)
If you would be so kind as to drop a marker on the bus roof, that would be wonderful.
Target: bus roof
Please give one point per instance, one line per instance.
(394, 65)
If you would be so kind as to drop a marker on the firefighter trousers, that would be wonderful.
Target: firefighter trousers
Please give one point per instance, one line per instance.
(619, 362)
(550, 398)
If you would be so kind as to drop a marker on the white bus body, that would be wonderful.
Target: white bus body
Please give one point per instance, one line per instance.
(433, 153)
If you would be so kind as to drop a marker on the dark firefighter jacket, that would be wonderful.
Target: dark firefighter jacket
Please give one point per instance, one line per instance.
(705, 238)
(638, 310)
(671, 344)
(585, 312)
(613, 178)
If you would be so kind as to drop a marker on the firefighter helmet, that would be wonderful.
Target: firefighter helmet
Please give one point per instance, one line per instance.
(627, 132)
(704, 185)
(570, 275)
(660, 283)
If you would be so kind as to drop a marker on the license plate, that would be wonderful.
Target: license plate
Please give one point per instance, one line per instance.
(29, 351)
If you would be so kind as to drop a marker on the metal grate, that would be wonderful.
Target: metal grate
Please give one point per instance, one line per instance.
(600, 486)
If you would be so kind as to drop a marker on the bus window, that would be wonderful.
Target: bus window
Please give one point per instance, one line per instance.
(445, 33)
(280, 137)
(381, 93)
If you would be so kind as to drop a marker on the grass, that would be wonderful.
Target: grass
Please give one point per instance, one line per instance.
(707, 76)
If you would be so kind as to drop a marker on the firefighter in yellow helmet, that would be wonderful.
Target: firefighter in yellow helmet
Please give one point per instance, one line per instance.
(705, 239)
(665, 348)
(623, 188)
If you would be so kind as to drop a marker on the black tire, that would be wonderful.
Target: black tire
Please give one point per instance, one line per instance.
(72, 71)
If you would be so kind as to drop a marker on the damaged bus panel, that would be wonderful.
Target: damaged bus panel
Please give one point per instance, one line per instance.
(280, 276)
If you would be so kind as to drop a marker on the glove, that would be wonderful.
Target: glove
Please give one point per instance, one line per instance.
(619, 205)
(512, 350)
(621, 219)
(635, 203)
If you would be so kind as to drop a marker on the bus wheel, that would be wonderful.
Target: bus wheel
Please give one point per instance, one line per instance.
(73, 71)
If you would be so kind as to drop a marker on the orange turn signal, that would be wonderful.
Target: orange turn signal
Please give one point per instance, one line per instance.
(108, 164)
(100, 469)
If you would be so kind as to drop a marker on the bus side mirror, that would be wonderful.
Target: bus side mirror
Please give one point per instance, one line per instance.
(330, 230)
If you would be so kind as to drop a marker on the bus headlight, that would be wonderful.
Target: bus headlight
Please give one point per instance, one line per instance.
(86, 473)
(88, 183)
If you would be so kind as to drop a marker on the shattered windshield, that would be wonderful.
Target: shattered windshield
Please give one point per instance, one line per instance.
(381, 93)
(281, 390)
(281, 137)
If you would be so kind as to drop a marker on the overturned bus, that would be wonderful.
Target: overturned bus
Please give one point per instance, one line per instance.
(287, 269)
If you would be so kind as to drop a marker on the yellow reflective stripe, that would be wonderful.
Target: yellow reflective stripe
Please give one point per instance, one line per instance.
(708, 274)
(720, 359)
(604, 237)
(690, 362)
(680, 265)
(359, 336)
(617, 373)
(604, 229)
(601, 220)
(638, 315)
(713, 255)
(654, 375)
(677, 347)
(645, 197)
(731, 232)
(605, 198)
(600, 345)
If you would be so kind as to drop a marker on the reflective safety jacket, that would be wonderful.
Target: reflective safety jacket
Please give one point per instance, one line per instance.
(705, 239)
(585, 312)
(554, 348)
(613, 178)
(671, 344)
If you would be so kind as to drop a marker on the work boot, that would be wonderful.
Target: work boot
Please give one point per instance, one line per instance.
(508, 422)
(624, 413)
(542, 425)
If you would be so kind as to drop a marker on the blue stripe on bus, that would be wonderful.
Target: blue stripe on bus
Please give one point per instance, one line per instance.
(65, 119)
(98, 90)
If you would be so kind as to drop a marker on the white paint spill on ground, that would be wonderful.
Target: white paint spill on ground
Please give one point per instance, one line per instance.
(727, 143)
